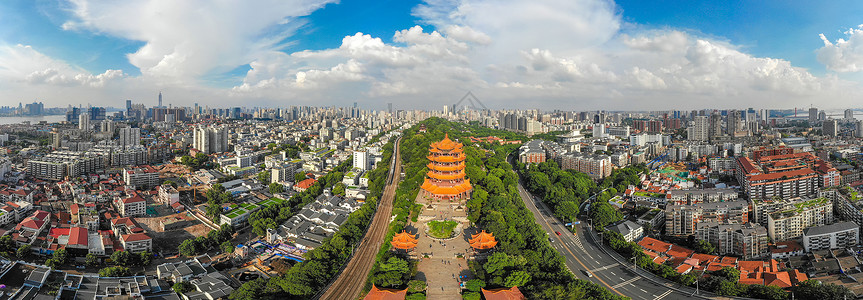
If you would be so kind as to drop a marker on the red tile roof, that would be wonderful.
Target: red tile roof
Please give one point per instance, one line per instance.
(136, 237)
(78, 236)
(385, 294)
(134, 199)
(654, 245)
(305, 184)
(780, 279)
(677, 251)
(751, 266)
(503, 294)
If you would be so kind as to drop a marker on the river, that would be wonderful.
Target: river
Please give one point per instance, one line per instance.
(32, 119)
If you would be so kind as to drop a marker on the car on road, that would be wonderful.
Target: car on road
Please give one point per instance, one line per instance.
(586, 273)
(558, 232)
(550, 240)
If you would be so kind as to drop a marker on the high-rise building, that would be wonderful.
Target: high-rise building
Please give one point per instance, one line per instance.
(813, 116)
(160, 99)
(830, 127)
(106, 126)
(97, 113)
(859, 128)
(715, 128)
(211, 139)
(732, 122)
(849, 114)
(682, 220)
(160, 114)
(130, 136)
(699, 129)
(84, 121)
(361, 160)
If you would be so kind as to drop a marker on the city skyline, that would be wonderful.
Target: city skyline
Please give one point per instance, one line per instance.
(587, 55)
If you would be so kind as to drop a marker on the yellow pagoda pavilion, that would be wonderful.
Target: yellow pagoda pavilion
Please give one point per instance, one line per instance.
(404, 241)
(445, 179)
(482, 241)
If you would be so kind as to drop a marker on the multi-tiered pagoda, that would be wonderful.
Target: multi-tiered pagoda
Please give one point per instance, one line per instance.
(445, 179)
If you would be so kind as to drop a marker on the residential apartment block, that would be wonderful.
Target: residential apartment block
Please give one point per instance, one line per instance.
(132, 206)
(682, 220)
(789, 224)
(743, 240)
(784, 175)
(531, 152)
(833, 236)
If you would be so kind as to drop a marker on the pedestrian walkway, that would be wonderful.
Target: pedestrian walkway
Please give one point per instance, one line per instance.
(443, 270)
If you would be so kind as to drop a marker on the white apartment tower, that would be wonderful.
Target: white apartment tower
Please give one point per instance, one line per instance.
(130, 136)
(84, 121)
(211, 139)
(361, 160)
(699, 129)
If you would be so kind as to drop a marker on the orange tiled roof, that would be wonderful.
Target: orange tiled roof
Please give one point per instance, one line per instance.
(678, 251)
(404, 241)
(654, 245)
(386, 294)
(482, 240)
(512, 293)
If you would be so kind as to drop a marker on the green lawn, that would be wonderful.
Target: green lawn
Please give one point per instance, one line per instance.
(441, 229)
(271, 202)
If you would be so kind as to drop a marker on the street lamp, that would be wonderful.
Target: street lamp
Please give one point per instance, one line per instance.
(633, 264)
(696, 289)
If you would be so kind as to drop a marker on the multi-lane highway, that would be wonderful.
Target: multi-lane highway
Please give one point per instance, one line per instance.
(584, 256)
(351, 280)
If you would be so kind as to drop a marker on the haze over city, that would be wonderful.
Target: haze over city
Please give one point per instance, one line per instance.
(591, 54)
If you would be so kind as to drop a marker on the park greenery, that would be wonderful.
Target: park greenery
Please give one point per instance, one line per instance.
(115, 271)
(305, 279)
(441, 229)
(523, 257)
(199, 161)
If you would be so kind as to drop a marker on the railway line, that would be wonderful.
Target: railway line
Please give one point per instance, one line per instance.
(349, 283)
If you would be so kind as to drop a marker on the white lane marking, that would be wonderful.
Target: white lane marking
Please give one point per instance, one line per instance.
(625, 283)
(605, 267)
(643, 291)
(663, 295)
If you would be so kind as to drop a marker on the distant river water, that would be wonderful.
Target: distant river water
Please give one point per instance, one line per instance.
(32, 119)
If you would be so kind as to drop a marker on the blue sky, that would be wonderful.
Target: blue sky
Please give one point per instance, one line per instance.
(550, 52)
(782, 29)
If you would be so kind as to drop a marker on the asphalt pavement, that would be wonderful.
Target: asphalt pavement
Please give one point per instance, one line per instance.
(584, 256)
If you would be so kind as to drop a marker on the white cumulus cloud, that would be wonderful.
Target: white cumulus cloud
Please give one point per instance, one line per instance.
(843, 55)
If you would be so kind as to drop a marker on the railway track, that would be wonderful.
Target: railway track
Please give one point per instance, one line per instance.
(351, 280)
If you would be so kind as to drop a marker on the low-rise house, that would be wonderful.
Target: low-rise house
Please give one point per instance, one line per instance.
(630, 231)
(132, 206)
(786, 249)
(136, 242)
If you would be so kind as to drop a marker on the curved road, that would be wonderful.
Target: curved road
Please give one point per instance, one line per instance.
(351, 280)
(583, 255)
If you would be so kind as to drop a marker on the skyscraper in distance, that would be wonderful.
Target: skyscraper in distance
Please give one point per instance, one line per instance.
(813, 116)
